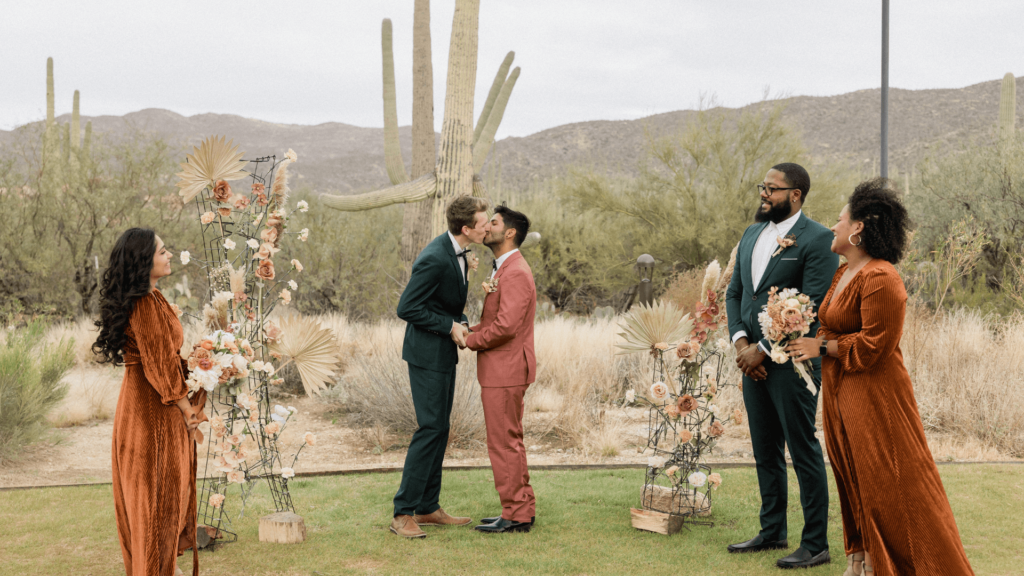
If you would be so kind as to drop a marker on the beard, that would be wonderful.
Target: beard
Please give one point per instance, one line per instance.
(492, 241)
(777, 213)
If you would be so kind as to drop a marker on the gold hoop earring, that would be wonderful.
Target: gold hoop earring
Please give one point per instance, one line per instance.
(859, 240)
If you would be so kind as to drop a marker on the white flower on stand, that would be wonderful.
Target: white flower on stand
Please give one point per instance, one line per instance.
(630, 396)
(287, 472)
(229, 243)
(697, 479)
(303, 206)
(185, 257)
(293, 285)
(656, 461)
(253, 243)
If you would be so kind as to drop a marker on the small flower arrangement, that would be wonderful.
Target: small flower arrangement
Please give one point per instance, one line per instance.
(219, 359)
(490, 285)
(788, 315)
(789, 240)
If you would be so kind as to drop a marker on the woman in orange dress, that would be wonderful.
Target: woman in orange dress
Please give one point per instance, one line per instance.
(896, 516)
(153, 455)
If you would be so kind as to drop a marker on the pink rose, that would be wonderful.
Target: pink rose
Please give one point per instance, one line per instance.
(207, 218)
(221, 191)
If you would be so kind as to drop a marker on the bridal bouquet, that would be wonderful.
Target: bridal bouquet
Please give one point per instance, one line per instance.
(788, 315)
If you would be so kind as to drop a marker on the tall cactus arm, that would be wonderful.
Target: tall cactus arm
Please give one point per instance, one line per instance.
(1008, 106)
(88, 139)
(499, 81)
(76, 129)
(455, 160)
(49, 92)
(483, 145)
(392, 152)
(419, 189)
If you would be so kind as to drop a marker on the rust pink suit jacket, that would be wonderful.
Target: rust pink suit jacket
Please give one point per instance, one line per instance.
(504, 336)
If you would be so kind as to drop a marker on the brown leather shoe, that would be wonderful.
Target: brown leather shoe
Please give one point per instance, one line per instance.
(440, 518)
(406, 527)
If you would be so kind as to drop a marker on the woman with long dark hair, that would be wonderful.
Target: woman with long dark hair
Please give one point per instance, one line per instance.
(153, 455)
(896, 516)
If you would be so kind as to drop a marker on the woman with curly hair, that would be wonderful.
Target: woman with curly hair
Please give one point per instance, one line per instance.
(896, 516)
(153, 454)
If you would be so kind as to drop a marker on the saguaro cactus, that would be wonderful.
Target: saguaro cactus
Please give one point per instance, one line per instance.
(463, 149)
(1008, 107)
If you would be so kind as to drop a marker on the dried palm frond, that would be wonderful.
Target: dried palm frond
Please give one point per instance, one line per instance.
(279, 191)
(236, 278)
(213, 160)
(311, 347)
(711, 276)
(727, 275)
(660, 323)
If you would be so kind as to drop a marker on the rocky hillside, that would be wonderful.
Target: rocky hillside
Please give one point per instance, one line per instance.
(341, 158)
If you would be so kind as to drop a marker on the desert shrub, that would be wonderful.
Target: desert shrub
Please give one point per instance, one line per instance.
(30, 385)
(377, 386)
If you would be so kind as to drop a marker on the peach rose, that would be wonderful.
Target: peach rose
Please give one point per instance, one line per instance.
(274, 219)
(265, 271)
(737, 416)
(659, 391)
(224, 211)
(672, 411)
(205, 364)
(297, 265)
(236, 476)
(216, 500)
(685, 436)
(272, 428)
(671, 470)
(309, 438)
(716, 430)
(688, 350)
(273, 331)
(268, 235)
(715, 480)
(686, 404)
(221, 191)
(207, 218)
(260, 191)
(206, 344)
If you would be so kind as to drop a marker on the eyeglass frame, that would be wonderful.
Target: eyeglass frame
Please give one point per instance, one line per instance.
(762, 187)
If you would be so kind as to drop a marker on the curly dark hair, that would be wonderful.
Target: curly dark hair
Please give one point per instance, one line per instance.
(125, 280)
(886, 223)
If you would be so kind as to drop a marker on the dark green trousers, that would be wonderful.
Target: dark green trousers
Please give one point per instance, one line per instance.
(781, 412)
(432, 395)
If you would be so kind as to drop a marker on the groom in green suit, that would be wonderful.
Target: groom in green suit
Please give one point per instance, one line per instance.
(432, 305)
(784, 248)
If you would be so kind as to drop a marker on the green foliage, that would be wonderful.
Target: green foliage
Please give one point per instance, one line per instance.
(694, 197)
(64, 222)
(351, 262)
(30, 385)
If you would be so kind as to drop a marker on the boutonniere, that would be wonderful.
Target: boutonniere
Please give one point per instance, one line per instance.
(784, 243)
(490, 285)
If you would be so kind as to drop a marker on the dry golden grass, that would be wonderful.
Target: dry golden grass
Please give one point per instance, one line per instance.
(968, 373)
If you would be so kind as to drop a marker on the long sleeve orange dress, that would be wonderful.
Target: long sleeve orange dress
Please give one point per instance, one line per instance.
(153, 456)
(892, 500)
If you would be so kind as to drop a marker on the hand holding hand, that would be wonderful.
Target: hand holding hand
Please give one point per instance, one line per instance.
(189, 414)
(803, 349)
(750, 361)
(459, 333)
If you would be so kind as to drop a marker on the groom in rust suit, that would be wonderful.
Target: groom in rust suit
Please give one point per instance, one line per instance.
(506, 366)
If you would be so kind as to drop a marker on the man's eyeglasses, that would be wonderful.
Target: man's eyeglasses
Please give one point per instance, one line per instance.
(761, 188)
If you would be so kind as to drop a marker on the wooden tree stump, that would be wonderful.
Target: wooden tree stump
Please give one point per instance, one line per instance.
(282, 528)
(657, 522)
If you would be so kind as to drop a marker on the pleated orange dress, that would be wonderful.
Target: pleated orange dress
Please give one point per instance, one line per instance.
(892, 500)
(153, 456)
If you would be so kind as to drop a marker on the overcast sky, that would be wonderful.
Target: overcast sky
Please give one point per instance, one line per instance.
(314, 61)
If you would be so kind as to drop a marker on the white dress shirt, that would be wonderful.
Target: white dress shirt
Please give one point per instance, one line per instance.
(761, 256)
(462, 261)
(501, 260)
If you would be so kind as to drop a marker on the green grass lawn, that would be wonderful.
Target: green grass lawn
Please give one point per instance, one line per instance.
(582, 528)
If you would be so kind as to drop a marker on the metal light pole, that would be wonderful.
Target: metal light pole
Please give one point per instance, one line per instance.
(885, 89)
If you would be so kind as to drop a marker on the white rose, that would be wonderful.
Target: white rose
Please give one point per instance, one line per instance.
(293, 285)
(656, 461)
(304, 234)
(697, 479)
(292, 409)
(779, 356)
(281, 411)
(185, 257)
(287, 472)
(302, 206)
(268, 368)
(253, 243)
(229, 243)
(630, 396)
(240, 363)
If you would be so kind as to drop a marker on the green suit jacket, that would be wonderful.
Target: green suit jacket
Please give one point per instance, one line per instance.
(434, 298)
(808, 266)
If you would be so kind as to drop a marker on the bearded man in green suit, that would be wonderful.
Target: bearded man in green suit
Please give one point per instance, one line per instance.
(786, 249)
(432, 305)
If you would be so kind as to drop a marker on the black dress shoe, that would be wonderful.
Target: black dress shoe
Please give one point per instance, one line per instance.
(494, 519)
(803, 559)
(757, 544)
(501, 526)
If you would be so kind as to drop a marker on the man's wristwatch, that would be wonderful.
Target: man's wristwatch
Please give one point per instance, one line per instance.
(823, 349)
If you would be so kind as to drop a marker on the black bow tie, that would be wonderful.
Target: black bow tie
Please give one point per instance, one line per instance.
(463, 254)
(494, 265)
